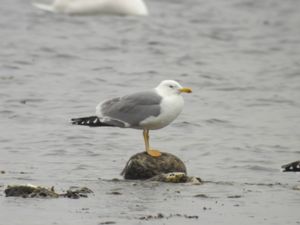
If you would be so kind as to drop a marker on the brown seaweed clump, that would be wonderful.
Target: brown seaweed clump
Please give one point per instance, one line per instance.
(143, 166)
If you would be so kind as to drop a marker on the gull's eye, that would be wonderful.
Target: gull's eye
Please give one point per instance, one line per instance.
(171, 86)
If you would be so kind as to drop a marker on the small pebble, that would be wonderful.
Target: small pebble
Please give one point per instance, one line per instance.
(201, 196)
(115, 193)
(234, 196)
(108, 222)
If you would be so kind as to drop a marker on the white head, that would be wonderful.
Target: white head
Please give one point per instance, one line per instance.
(171, 87)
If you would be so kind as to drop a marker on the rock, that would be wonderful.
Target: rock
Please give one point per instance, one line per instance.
(296, 188)
(162, 216)
(143, 166)
(108, 222)
(31, 191)
(175, 177)
(76, 192)
(292, 167)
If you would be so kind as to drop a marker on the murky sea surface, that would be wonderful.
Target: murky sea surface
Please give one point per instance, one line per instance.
(240, 124)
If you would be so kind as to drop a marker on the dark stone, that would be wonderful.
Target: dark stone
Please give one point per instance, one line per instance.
(162, 216)
(115, 193)
(143, 166)
(292, 167)
(201, 196)
(234, 196)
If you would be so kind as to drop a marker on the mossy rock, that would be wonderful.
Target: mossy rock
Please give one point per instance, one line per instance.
(142, 166)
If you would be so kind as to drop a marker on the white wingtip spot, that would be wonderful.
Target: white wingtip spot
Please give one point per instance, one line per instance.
(95, 121)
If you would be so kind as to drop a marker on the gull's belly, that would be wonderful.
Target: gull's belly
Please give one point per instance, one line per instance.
(171, 107)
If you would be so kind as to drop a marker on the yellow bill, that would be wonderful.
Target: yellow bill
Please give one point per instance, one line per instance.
(185, 90)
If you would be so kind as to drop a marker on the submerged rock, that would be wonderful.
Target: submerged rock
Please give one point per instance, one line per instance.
(292, 167)
(32, 191)
(175, 177)
(162, 216)
(143, 166)
(76, 192)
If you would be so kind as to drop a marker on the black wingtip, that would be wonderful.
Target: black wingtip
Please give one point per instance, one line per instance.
(76, 121)
(86, 121)
(91, 121)
(292, 167)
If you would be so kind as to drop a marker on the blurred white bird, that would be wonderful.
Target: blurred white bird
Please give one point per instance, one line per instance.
(88, 7)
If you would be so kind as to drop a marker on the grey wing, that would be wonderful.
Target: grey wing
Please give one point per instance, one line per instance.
(132, 109)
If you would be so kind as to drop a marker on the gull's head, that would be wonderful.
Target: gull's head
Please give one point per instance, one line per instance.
(171, 87)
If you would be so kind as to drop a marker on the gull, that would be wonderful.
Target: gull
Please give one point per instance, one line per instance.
(88, 7)
(146, 110)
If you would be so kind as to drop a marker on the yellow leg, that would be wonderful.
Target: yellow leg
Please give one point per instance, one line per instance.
(152, 152)
(146, 139)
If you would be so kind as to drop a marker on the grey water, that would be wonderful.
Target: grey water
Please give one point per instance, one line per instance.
(240, 124)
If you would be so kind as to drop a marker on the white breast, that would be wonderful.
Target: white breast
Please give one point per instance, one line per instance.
(171, 107)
